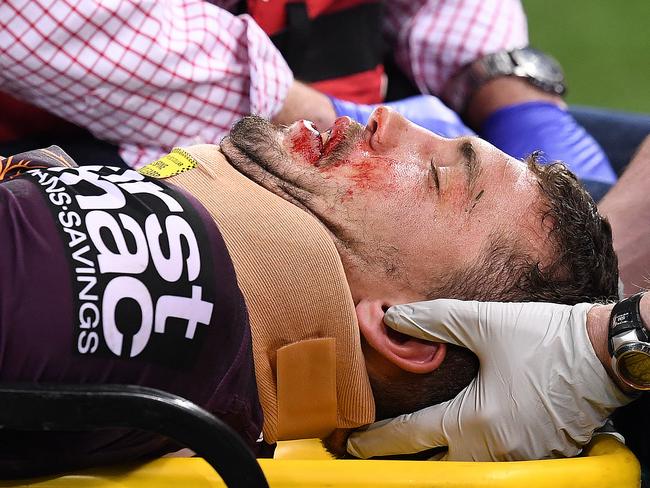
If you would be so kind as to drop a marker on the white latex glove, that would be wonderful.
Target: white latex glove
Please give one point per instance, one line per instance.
(540, 391)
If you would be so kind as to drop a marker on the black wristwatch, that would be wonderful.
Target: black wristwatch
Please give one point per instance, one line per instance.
(532, 65)
(629, 343)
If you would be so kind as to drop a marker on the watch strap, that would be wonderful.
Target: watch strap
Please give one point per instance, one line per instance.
(460, 88)
(626, 316)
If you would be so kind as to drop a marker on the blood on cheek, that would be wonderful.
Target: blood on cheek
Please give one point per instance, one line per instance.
(335, 138)
(370, 173)
(364, 173)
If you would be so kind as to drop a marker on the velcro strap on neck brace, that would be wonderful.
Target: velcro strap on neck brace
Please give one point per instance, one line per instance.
(306, 382)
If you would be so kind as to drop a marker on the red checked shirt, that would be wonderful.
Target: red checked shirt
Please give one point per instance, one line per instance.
(151, 75)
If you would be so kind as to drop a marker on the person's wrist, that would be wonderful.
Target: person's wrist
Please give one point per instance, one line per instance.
(598, 331)
(502, 92)
(644, 307)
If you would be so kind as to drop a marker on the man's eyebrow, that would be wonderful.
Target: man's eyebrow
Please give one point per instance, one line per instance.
(471, 163)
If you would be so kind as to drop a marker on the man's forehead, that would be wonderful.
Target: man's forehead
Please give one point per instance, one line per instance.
(515, 171)
(516, 203)
(523, 176)
(500, 172)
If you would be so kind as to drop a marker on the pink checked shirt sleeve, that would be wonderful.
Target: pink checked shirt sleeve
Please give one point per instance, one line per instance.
(149, 75)
(432, 39)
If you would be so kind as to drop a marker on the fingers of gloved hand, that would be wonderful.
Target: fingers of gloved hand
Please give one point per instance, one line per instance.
(419, 105)
(453, 321)
(424, 110)
(405, 434)
(477, 325)
(545, 126)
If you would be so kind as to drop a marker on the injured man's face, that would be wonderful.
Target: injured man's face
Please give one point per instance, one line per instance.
(406, 208)
(415, 216)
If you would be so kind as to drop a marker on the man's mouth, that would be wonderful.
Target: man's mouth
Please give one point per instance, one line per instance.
(275, 157)
(315, 146)
(306, 141)
(337, 133)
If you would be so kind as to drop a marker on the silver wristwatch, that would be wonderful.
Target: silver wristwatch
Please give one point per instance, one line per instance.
(629, 343)
(532, 65)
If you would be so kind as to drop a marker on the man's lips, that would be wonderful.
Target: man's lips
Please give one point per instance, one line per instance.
(306, 141)
(336, 134)
(311, 145)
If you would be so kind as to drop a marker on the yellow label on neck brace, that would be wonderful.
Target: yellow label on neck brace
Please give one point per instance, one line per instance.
(176, 162)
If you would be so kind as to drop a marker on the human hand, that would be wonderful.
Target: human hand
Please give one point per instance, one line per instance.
(425, 110)
(540, 392)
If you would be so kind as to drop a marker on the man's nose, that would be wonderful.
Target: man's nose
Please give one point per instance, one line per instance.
(386, 128)
(389, 129)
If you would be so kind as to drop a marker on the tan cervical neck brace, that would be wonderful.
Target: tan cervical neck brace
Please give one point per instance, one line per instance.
(311, 376)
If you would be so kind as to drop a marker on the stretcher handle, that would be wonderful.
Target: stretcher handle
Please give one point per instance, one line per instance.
(30, 407)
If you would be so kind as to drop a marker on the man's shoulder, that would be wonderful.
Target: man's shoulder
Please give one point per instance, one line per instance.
(15, 165)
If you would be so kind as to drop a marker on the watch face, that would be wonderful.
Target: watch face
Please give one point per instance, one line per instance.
(537, 65)
(633, 365)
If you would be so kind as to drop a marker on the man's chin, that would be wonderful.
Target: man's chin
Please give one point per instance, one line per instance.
(253, 139)
(237, 157)
(251, 148)
(257, 170)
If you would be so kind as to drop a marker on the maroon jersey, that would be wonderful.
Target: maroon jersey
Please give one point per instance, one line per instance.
(111, 277)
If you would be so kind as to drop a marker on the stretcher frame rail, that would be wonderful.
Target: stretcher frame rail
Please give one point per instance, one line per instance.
(46, 407)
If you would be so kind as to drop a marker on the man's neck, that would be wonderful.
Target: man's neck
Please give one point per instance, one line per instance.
(292, 279)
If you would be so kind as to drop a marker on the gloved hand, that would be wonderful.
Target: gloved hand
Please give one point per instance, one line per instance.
(540, 391)
(526, 127)
(425, 110)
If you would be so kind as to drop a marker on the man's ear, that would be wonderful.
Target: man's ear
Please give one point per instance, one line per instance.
(405, 352)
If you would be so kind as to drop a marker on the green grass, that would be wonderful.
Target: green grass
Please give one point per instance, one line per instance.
(603, 46)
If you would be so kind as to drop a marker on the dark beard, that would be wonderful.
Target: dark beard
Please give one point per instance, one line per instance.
(255, 139)
(252, 148)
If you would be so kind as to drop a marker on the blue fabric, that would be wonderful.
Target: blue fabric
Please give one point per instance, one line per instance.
(521, 129)
(424, 110)
(618, 133)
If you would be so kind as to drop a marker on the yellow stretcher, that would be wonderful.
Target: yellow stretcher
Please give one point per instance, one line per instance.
(606, 462)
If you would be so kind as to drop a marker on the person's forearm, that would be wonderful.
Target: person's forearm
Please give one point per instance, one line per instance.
(627, 207)
(304, 102)
(503, 92)
(598, 327)
(521, 119)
